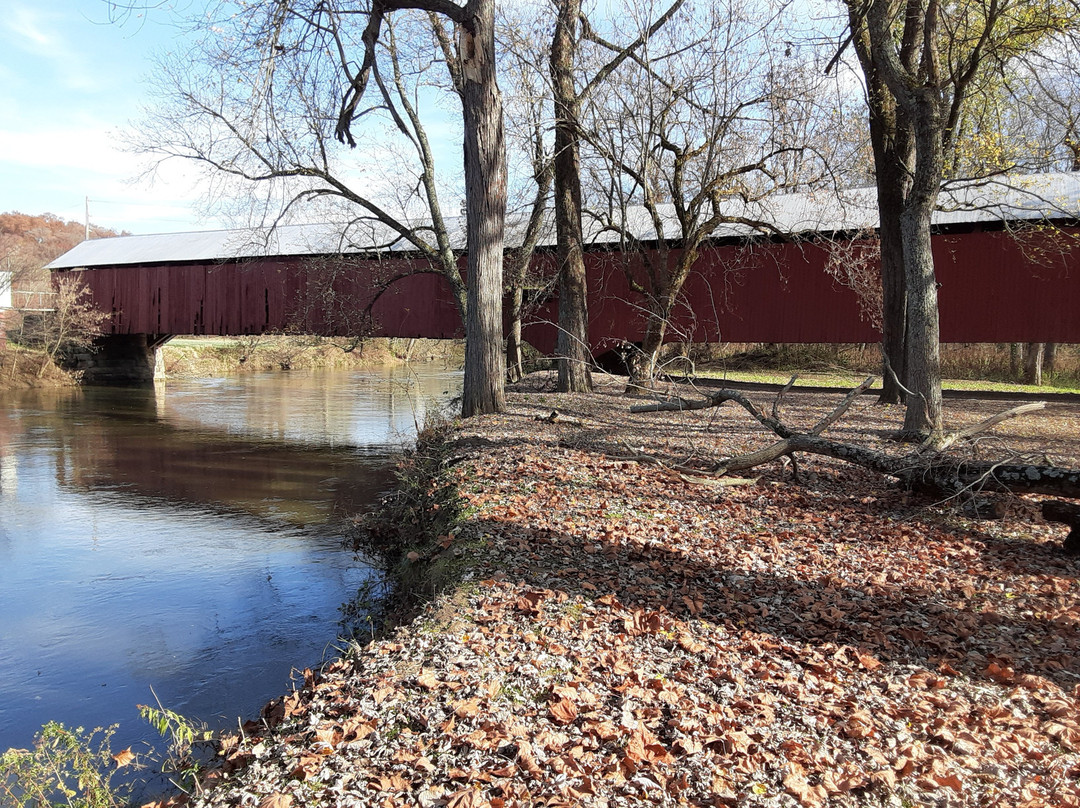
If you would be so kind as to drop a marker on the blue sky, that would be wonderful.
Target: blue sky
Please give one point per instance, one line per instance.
(70, 81)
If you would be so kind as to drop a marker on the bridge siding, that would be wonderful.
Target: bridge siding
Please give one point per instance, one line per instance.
(991, 291)
(256, 296)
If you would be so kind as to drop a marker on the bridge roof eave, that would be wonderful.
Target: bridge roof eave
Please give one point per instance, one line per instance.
(971, 203)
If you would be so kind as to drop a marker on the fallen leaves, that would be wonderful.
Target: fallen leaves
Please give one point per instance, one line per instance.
(632, 638)
(276, 801)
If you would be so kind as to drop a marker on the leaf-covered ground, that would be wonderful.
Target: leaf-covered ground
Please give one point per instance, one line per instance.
(626, 635)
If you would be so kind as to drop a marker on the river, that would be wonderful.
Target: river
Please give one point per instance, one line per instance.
(186, 538)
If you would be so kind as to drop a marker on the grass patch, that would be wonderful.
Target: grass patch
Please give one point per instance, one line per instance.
(22, 367)
(975, 367)
(849, 380)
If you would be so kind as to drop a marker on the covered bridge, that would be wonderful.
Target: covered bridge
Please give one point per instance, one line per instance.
(1005, 252)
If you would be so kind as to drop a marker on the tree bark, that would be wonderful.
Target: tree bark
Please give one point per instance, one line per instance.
(893, 296)
(573, 356)
(923, 416)
(643, 360)
(485, 192)
(911, 70)
(890, 138)
(515, 369)
(1033, 363)
(1049, 356)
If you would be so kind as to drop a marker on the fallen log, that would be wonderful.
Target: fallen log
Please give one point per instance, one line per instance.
(926, 470)
(557, 417)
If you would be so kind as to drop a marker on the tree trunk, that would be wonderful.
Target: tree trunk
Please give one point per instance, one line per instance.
(893, 299)
(485, 193)
(572, 344)
(642, 362)
(892, 156)
(515, 369)
(890, 137)
(923, 416)
(1033, 363)
(1049, 356)
(1015, 355)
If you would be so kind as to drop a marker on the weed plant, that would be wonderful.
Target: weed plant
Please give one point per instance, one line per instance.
(412, 532)
(69, 767)
(78, 769)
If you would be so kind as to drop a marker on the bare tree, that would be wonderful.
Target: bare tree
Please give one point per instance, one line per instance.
(521, 42)
(70, 323)
(485, 181)
(683, 143)
(572, 348)
(891, 138)
(572, 345)
(931, 58)
(264, 101)
(1028, 115)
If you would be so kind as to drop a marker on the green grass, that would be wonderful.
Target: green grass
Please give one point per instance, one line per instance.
(201, 342)
(849, 380)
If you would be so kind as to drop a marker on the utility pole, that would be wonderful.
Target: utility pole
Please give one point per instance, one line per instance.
(87, 236)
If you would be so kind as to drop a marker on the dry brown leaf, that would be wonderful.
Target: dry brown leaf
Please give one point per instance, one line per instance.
(467, 708)
(276, 800)
(844, 780)
(949, 781)
(123, 758)
(799, 787)
(859, 724)
(564, 711)
(428, 680)
(391, 782)
(467, 798)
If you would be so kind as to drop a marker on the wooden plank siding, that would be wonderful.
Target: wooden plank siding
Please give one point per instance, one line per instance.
(993, 288)
(256, 296)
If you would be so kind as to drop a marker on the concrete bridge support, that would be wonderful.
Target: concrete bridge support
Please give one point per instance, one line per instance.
(123, 359)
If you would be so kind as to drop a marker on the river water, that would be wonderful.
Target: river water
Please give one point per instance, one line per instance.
(186, 538)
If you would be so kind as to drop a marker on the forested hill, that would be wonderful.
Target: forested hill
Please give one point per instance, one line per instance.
(29, 242)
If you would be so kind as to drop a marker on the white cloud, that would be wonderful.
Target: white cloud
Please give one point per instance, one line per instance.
(27, 25)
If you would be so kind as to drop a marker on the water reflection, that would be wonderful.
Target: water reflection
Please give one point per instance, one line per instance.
(186, 538)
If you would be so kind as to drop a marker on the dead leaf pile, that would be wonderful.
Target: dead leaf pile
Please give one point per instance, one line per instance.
(631, 637)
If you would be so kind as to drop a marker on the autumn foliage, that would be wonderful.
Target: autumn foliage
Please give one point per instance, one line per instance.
(28, 243)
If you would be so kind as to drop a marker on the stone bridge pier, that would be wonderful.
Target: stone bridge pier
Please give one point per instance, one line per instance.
(122, 359)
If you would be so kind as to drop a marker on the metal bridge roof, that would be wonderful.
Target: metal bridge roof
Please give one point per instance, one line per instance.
(1013, 198)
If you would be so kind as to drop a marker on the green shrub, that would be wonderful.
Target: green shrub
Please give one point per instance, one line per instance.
(66, 767)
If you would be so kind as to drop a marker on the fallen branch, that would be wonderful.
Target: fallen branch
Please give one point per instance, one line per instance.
(931, 473)
(557, 417)
(992, 421)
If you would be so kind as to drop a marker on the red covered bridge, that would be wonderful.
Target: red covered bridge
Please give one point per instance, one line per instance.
(996, 284)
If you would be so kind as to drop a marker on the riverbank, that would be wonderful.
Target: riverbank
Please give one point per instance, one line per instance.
(206, 357)
(621, 635)
(21, 369)
(201, 357)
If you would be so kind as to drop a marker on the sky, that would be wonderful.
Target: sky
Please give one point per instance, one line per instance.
(70, 82)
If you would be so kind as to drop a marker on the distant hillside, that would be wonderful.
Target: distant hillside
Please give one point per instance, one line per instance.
(28, 243)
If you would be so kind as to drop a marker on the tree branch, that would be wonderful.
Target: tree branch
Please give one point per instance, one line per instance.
(358, 84)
